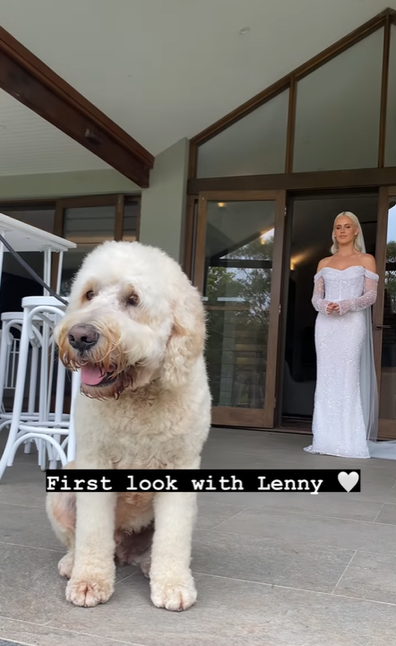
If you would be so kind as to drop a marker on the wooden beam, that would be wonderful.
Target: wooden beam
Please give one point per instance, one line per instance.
(384, 92)
(291, 125)
(313, 181)
(30, 81)
(119, 218)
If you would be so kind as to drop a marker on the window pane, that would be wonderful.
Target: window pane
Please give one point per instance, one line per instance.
(338, 111)
(41, 218)
(387, 404)
(93, 224)
(16, 282)
(131, 221)
(72, 261)
(88, 227)
(254, 145)
(237, 295)
(390, 147)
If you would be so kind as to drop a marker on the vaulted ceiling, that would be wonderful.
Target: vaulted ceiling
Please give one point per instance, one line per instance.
(163, 70)
(29, 144)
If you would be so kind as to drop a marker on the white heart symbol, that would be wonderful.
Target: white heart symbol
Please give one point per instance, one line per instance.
(348, 480)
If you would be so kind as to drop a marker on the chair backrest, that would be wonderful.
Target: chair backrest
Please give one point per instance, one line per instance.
(42, 320)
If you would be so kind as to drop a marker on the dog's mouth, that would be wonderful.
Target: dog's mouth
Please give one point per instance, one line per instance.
(94, 375)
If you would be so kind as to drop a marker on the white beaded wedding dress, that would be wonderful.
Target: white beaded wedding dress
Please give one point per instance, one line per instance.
(346, 403)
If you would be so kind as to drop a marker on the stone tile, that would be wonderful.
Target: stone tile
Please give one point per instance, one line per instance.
(376, 487)
(28, 493)
(27, 526)
(30, 586)
(267, 546)
(211, 514)
(233, 448)
(377, 495)
(29, 633)
(297, 529)
(387, 515)
(24, 482)
(126, 571)
(370, 576)
(231, 613)
(336, 505)
(24, 469)
(386, 477)
(45, 593)
(269, 561)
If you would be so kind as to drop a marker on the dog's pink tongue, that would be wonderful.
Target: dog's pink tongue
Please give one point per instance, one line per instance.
(91, 375)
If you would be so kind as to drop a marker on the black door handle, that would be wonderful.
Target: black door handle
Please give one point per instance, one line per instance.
(383, 327)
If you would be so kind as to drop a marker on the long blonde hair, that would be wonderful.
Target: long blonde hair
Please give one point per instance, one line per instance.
(357, 242)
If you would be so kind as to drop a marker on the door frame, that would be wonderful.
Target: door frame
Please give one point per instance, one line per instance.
(245, 417)
(386, 427)
(283, 422)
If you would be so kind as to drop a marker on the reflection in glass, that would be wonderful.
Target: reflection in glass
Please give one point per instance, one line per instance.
(40, 217)
(338, 110)
(390, 145)
(16, 282)
(88, 227)
(387, 406)
(254, 145)
(237, 294)
(92, 224)
(131, 218)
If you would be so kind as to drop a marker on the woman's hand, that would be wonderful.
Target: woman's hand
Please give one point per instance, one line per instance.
(333, 307)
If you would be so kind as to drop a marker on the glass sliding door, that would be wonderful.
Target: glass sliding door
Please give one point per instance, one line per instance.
(385, 314)
(238, 269)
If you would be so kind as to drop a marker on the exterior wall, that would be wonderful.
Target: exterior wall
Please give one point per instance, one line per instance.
(163, 204)
(91, 182)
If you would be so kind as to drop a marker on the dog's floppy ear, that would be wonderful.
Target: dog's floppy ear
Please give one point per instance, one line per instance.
(187, 339)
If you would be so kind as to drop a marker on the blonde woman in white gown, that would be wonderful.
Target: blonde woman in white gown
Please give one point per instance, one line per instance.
(346, 400)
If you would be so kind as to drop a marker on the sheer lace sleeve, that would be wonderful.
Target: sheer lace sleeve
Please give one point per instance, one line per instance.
(318, 300)
(368, 297)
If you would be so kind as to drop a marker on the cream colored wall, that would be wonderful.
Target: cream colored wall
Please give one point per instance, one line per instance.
(92, 182)
(163, 204)
(162, 207)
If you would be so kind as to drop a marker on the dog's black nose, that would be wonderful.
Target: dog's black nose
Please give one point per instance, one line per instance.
(83, 337)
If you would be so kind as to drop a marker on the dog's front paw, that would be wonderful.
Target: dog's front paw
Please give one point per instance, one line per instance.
(174, 594)
(89, 591)
(65, 565)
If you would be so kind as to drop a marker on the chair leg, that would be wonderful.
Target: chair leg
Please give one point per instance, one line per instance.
(18, 399)
(71, 445)
(4, 353)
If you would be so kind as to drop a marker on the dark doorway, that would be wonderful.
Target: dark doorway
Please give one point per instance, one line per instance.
(310, 221)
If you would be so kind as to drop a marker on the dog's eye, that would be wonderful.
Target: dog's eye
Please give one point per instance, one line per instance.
(89, 295)
(133, 299)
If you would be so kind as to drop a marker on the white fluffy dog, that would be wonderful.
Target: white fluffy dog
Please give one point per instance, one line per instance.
(136, 327)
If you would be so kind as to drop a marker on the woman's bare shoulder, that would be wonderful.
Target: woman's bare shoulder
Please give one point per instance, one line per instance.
(323, 263)
(368, 262)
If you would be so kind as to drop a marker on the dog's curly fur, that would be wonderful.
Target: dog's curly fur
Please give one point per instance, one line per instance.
(151, 410)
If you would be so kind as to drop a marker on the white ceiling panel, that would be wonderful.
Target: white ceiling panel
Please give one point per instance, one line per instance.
(31, 145)
(167, 70)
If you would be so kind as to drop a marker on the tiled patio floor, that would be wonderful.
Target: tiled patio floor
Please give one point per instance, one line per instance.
(271, 569)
